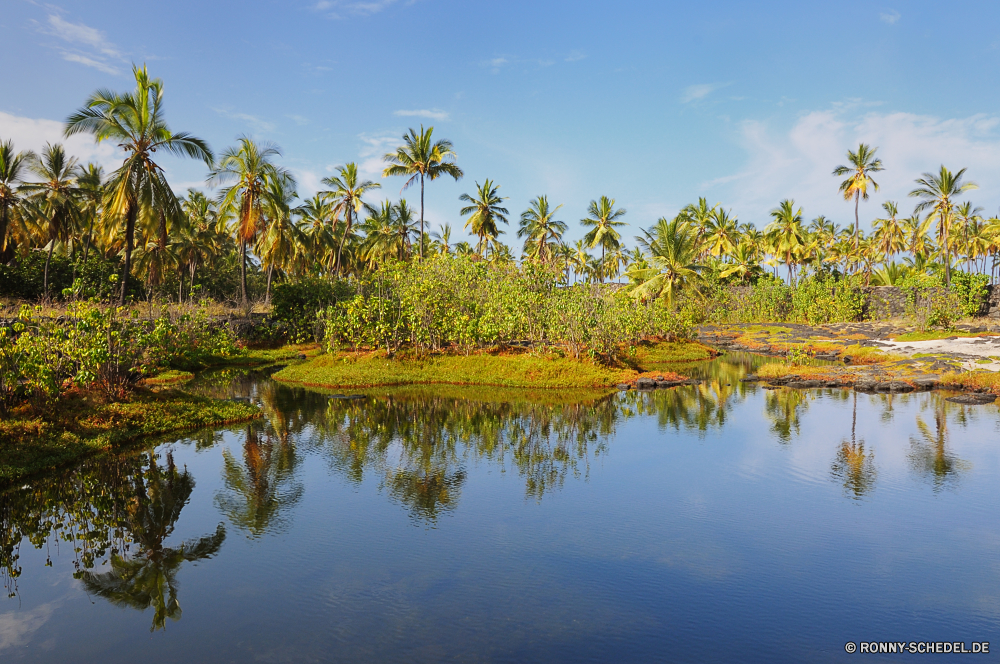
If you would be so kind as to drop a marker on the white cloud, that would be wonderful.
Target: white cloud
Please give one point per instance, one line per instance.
(798, 163)
(374, 146)
(34, 133)
(16, 627)
(890, 17)
(90, 62)
(91, 48)
(256, 123)
(339, 8)
(299, 120)
(434, 114)
(700, 91)
(575, 56)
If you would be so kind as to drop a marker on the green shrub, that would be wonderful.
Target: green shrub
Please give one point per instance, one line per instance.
(295, 305)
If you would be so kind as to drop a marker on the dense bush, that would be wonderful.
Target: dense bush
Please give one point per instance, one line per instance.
(106, 348)
(464, 304)
(296, 304)
(24, 277)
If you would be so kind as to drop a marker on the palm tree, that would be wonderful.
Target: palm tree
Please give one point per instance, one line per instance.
(672, 247)
(862, 164)
(745, 261)
(12, 171)
(889, 236)
(281, 236)
(938, 192)
(317, 217)
(786, 233)
(248, 166)
(442, 238)
(721, 232)
(55, 198)
(420, 157)
(346, 195)
(580, 258)
(603, 222)
(540, 229)
(486, 212)
(90, 180)
(403, 228)
(135, 122)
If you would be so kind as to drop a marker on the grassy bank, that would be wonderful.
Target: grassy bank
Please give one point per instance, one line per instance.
(31, 442)
(514, 370)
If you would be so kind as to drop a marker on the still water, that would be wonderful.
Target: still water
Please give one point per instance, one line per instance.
(715, 523)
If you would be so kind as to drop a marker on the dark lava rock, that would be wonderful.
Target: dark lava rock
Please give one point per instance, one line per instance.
(827, 356)
(805, 384)
(926, 382)
(625, 387)
(833, 383)
(973, 399)
(771, 387)
(662, 384)
(645, 383)
(900, 386)
(782, 380)
(300, 356)
(751, 378)
(865, 384)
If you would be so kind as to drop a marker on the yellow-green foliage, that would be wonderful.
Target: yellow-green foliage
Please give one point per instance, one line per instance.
(170, 377)
(30, 443)
(486, 394)
(973, 380)
(868, 355)
(934, 335)
(529, 371)
(780, 370)
(648, 355)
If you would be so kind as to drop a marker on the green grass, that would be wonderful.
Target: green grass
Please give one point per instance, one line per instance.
(649, 356)
(74, 428)
(519, 371)
(936, 335)
(973, 380)
(483, 393)
(261, 356)
(170, 377)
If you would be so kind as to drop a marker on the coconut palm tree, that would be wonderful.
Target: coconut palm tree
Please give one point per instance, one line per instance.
(13, 168)
(603, 224)
(56, 198)
(346, 193)
(672, 249)
(721, 232)
(862, 164)
(745, 261)
(937, 193)
(421, 157)
(890, 238)
(581, 259)
(134, 121)
(442, 239)
(485, 212)
(281, 235)
(318, 219)
(968, 218)
(90, 180)
(787, 234)
(248, 167)
(542, 232)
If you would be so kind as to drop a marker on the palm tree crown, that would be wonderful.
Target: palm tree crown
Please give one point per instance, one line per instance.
(540, 229)
(135, 122)
(859, 179)
(422, 157)
(603, 222)
(486, 212)
(346, 194)
(937, 192)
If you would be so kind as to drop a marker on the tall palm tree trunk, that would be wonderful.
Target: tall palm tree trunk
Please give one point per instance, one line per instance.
(343, 239)
(130, 215)
(267, 293)
(243, 270)
(421, 216)
(48, 259)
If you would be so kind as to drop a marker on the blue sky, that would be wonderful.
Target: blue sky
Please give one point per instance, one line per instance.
(651, 103)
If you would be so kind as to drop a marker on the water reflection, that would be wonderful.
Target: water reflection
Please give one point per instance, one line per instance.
(124, 508)
(115, 515)
(148, 579)
(855, 467)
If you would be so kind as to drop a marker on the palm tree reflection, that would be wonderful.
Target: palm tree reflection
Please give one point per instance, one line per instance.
(854, 466)
(149, 577)
(929, 455)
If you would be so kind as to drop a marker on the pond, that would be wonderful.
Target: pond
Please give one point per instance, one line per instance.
(714, 523)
